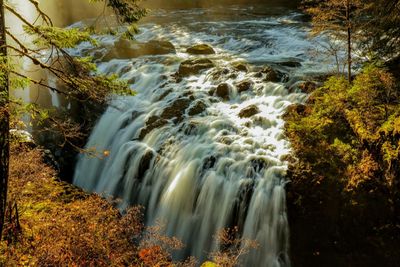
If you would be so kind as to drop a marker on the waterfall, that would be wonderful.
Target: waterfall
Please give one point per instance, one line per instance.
(192, 158)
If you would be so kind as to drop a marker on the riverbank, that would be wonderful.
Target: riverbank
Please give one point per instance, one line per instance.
(343, 195)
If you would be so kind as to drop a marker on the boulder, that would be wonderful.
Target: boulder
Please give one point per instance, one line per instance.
(197, 108)
(176, 109)
(223, 91)
(307, 87)
(200, 49)
(240, 66)
(152, 123)
(249, 111)
(272, 75)
(290, 64)
(244, 85)
(126, 49)
(194, 66)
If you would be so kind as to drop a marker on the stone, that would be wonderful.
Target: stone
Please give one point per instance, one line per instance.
(244, 85)
(290, 64)
(307, 87)
(240, 67)
(152, 123)
(176, 109)
(194, 66)
(200, 49)
(249, 111)
(223, 91)
(272, 75)
(198, 108)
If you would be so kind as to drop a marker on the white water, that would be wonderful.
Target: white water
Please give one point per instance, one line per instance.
(214, 169)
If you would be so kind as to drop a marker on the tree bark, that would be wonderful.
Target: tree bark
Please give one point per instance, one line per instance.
(348, 21)
(4, 120)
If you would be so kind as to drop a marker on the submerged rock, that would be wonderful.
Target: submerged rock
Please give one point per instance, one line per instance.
(249, 111)
(126, 49)
(201, 49)
(194, 66)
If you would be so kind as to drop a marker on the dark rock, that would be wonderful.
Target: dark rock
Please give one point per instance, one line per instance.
(126, 49)
(249, 111)
(240, 67)
(176, 109)
(209, 162)
(194, 66)
(222, 91)
(164, 94)
(211, 91)
(290, 64)
(244, 85)
(144, 164)
(201, 49)
(198, 108)
(272, 75)
(307, 87)
(152, 123)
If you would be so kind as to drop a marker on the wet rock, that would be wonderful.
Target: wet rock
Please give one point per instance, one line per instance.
(176, 109)
(126, 49)
(190, 128)
(223, 91)
(209, 162)
(212, 91)
(197, 108)
(144, 164)
(244, 85)
(152, 123)
(226, 140)
(249, 111)
(290, 64)
(164, 94)
(272, 75)
(194, 67)
(240, 67)
(200, 49)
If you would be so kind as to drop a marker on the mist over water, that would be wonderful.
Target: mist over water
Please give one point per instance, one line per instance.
(200, 171)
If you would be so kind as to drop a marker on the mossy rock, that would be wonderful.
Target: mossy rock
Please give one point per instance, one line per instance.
(200, 49)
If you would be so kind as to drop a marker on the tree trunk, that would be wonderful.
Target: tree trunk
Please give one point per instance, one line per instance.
(4, 120)
(349, 61)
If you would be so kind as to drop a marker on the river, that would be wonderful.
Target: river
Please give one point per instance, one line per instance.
(190, 155)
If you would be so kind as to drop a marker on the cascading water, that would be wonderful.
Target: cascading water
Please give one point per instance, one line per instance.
(197, 161)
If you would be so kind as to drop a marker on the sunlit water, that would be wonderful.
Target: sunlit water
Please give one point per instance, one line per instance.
(214, 169)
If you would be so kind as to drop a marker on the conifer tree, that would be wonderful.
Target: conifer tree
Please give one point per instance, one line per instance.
(77, 74)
